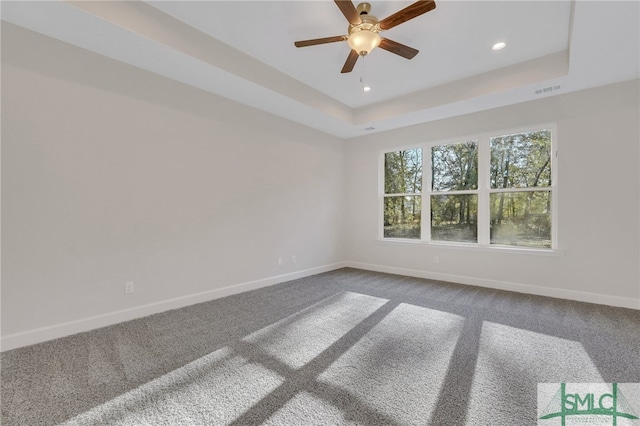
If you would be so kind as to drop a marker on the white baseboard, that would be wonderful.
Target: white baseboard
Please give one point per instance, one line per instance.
(30, 337)
(580, 296)
(38, 335)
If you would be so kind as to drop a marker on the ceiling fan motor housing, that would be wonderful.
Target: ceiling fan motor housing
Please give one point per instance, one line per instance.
(363, 8)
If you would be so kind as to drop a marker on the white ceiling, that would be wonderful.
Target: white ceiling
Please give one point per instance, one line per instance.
(243, 50)
(449, 38)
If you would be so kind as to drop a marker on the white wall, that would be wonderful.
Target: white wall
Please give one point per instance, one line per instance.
(598, 191)
(112, 174)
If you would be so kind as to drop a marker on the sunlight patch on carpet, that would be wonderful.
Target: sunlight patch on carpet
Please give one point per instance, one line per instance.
(306, 409)
(511, 362)
(298, 339)
(399, 366)
(214, 387)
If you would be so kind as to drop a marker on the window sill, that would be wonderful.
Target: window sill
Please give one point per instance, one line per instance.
(475, 247)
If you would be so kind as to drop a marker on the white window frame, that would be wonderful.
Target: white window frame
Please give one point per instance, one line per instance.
(483, 192)
(382, 196)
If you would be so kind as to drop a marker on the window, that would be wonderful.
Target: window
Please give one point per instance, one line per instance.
(402, 200)
(454, 192)
(520, 194)
(494, 189)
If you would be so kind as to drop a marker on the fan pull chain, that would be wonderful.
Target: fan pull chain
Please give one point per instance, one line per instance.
(362, 85)
(362, 73)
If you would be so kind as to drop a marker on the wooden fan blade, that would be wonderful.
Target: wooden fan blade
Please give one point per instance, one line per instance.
(349, 11)
(409, 12)
(313, 42)
(398, 48)
(351, 62)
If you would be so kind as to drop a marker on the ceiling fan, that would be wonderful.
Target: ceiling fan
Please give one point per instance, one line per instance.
(364, 30)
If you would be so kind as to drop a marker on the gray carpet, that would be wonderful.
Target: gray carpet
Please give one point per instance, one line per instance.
(346, 347)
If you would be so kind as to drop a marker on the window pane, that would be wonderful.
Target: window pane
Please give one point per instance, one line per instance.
(522, 160)
(403, 172)
(454, 218)
(402, 217)
(521, 219)
(454, 166)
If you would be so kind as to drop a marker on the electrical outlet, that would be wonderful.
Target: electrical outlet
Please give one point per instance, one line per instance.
(128, 287)
(279, 261)
(436, 259)
(293, 258)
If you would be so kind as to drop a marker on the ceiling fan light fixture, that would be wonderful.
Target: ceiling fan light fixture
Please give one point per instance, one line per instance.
(364, 41)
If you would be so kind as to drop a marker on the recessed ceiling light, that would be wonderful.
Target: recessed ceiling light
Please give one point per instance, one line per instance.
(366, 89)
(500, 45)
